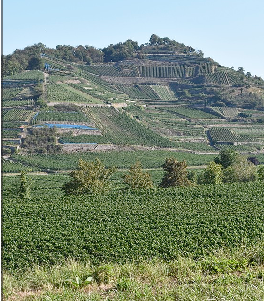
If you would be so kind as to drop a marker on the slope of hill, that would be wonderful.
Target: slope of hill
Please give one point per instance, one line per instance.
(161, 94)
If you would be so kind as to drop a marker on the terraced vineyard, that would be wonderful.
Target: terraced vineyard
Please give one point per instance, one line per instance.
(253, 131)
(59, 116)
(180, 93)
(223, 77)
(112, 70)
(164, 92)
(219, 135)
(32, 75)
(64, 93)
(18, 103)
(140, 92)
(121, 129)
(16, 115)
(10, 93)
(192, 113)
(225, 111)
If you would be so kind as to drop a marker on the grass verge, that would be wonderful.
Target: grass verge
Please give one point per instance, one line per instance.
(225, 275)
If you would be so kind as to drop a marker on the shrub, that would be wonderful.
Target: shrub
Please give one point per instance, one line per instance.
(24, 189)
(212, 175)
(137, 179)
(90, 177)
(241, 170)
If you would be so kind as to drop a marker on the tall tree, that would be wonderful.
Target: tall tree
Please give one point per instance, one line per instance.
(226, 157)
(35, 63)
(175, 173)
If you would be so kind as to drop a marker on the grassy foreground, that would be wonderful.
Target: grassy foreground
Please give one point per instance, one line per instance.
(225, 275)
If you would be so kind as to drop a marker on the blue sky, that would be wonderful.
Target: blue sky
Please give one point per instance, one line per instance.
(229, 31)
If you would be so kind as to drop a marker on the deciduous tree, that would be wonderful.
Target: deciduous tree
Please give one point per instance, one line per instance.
(212, 175)
(90, 177)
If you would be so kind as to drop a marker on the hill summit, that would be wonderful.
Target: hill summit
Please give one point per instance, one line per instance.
(161, 68)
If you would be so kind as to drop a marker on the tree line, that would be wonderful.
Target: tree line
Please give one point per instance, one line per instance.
(228, 167)
(92, 177)
(31, 57)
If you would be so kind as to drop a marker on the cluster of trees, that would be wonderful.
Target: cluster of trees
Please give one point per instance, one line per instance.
(27, 59)
(229, 167)
(94, 178)
(30, 58)
(41, 141)
(85, 54)
(168, 44)
(120, 51)
(130, 49)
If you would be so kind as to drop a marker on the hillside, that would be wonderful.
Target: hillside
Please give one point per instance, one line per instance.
(161, 106)
(162, 94)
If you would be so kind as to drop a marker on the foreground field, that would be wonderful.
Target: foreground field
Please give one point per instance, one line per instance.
(196, 243)
(123, 225)
(224, 275)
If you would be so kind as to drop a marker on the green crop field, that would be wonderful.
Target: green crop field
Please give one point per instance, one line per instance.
(192, 113)
(224, 135)
(34, 75)
(10, 93)
(119, 159)
(64, 93)
(163, 223)
(59, 116)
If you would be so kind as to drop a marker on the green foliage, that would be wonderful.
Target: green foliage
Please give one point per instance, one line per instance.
(137, 179)
(241, 170)
(124, 226)
(175, 173)
(224, 265)
(212, 175)
(120, 51)
(90, 177)
(103, 274)
(35, 63)
(24, 189)
(261, 173)
(192, 176)
(226, 157)
(78, 282)
(41, 140)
